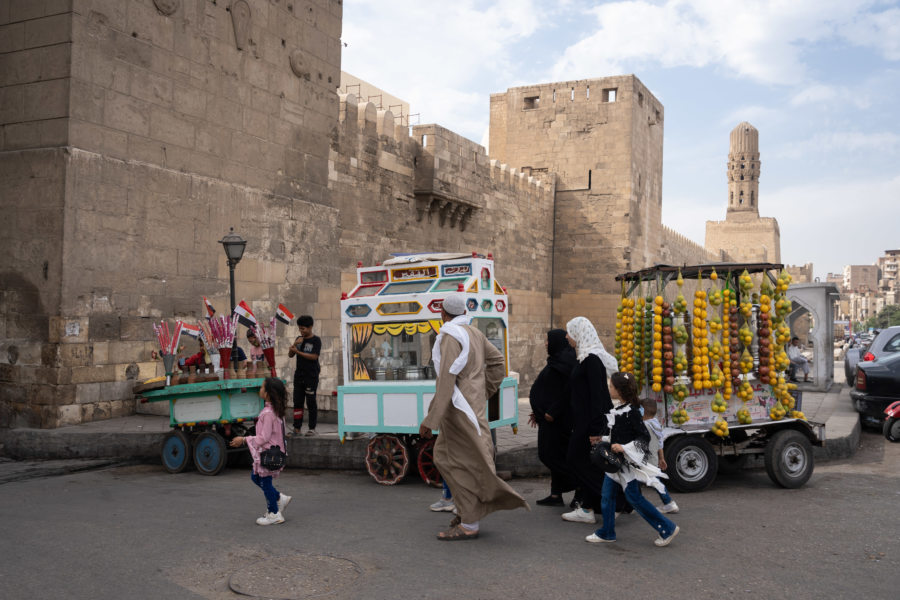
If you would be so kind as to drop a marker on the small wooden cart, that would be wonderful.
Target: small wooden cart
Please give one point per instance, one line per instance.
(204, 417)
(388, 326)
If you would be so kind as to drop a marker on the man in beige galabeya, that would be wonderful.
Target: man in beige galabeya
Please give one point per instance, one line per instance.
(469, 371)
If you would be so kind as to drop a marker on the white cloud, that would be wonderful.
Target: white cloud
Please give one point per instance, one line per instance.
(880, 31)
(759, 116)
(762, 41)
(841, 143)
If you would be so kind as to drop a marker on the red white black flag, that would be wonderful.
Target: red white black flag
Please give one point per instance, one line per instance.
(210, 311)
(191, 330)
(245, 315)
(284, 315)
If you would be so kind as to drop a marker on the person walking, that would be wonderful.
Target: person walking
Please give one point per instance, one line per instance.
(590, 401)
(469, 370)
(552, 415)
(628, 436)
(269, 432)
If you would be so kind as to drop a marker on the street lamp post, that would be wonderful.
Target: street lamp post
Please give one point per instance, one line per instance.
(234, 251)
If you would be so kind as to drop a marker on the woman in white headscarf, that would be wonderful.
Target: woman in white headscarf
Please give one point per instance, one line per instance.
(590, 401)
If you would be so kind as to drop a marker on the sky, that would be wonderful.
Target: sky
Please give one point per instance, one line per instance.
(819, 79)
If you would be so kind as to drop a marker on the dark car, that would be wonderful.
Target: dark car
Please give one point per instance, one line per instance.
(886, 341)
(877, 386)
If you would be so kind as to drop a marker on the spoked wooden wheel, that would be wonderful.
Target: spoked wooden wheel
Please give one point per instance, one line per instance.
(387, 459)
(425, 460)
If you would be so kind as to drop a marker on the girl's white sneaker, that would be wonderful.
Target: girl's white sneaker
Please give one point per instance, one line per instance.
(270, 519)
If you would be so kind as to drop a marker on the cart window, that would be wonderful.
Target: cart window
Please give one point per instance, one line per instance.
(494, 330)
(366, 290)
(411, 287)
(398, 308)
(393, 351)
(373, 277)
(893, 345)
(448, 285)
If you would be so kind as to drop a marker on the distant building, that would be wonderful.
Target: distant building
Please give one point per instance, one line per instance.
(861, 278)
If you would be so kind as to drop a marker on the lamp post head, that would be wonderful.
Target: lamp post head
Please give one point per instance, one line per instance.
(234, 246)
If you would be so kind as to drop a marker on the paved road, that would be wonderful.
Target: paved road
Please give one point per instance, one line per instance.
(137, 532)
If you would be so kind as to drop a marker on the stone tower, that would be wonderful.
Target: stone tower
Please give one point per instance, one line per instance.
(744, 236)
(603, 138)
(743, 169)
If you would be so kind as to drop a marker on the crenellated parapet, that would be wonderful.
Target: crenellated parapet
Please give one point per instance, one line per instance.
(676, 248)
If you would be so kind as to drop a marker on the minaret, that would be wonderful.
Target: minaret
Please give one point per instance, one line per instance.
(743, 170)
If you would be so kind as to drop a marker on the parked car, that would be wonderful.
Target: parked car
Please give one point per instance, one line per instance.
(877, 386)
(886, 341)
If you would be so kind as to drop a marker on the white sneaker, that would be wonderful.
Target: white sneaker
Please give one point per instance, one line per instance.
(270, 519)
(443, 505)
(579, 515)
(596, 539)
(283, 501)
(665, 542)
(311, 433)
(670, 508)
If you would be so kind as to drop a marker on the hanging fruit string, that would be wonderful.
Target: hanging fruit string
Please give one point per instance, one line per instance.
(699, 334)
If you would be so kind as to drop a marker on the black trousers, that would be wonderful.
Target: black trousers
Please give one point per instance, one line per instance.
(553, 444)
(589, 477)
(305, 393)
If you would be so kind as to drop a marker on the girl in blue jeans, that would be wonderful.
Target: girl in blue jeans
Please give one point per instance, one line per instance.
(629, 436)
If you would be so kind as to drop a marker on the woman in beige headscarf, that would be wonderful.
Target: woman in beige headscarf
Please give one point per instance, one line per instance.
(590, 402)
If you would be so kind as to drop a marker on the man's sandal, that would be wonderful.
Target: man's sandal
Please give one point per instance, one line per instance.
(456, 533)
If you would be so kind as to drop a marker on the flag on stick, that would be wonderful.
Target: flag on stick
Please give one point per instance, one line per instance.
(190, 330)
(284, 315)
(210, 311)
(245, 315)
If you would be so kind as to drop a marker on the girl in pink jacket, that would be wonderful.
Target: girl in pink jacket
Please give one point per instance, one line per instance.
(269, 432)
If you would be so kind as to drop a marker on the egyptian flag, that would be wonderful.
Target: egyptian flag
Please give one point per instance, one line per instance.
(190, 330)
(245, 315)
(210, 311)
(284, 315)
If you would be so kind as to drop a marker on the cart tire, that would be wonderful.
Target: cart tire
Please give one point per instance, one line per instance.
(892, 430)
(176, 451)
(387, 459)
(789, 458)
(692, 463)
(425, 461)
(210, 453)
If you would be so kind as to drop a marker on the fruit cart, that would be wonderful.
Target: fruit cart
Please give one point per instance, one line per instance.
(204, 417)
(389, 322)
(707, 342)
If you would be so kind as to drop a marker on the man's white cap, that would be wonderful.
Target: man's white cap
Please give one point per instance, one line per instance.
(455, 304)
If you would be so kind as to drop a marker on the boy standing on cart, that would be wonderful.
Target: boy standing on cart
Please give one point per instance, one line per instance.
(469, 370)
(306, 377)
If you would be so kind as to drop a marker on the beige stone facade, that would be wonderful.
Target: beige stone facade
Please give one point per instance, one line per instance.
(134, 133)
(744, 236)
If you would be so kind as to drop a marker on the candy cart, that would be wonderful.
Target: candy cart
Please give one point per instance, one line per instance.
(707, 342)
(389, 322)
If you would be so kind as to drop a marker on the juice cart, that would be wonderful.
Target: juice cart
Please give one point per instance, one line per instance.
(204, 417)
(389, 323)
(707, 342)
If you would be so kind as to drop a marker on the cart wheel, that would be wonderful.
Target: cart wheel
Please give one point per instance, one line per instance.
(387, 459)
(209, 453)
(692, 463)
(427, 471)
(176, 451)
(892, 430)
(789, 458)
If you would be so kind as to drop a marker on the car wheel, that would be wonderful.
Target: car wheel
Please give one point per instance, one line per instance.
(692, 463)
(789, 458)
(892, 430)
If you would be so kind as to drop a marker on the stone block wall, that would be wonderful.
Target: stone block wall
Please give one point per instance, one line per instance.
(398, 192)
(176, 126)
(745, 237)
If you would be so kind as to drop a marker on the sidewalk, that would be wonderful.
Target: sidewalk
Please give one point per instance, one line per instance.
(138, 438)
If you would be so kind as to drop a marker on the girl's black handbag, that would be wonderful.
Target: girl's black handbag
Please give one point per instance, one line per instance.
(604, 458)
(272, 458)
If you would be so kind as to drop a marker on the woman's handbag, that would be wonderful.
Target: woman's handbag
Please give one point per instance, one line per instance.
(272, 458)
(604, 458)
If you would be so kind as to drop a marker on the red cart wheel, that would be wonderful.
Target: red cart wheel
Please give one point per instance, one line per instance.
(387, 459)
(427, 471)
